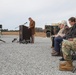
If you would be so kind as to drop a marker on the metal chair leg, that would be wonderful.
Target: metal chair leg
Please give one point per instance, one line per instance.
(74, 69)
(2, 41)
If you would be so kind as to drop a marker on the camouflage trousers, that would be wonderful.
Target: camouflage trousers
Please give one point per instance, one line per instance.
(67, 48)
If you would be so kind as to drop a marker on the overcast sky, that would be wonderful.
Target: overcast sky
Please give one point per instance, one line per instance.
(16, 12)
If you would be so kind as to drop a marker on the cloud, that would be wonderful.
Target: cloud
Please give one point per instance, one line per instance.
(15, 12)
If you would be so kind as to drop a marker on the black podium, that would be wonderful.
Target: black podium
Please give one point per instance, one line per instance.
(24, 33)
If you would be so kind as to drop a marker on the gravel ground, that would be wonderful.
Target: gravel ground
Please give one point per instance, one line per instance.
(28, 59)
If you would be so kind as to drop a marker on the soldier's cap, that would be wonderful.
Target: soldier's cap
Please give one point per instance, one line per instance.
(63, 22)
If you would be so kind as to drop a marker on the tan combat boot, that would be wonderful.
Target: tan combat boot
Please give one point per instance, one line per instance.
(62, 64)
(68, 66)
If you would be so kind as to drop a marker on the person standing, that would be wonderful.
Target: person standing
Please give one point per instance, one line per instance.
(32, 27)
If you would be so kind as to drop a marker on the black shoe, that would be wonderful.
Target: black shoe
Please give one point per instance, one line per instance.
(62, 59)
(74, 57)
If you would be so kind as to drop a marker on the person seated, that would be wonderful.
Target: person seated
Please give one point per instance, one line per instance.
(68, 45)
(62, 59)
(59, 38)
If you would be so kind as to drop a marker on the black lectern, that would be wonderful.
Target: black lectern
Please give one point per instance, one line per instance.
(24, 33)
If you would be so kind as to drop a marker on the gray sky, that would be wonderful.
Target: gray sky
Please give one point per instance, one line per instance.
(16, 12)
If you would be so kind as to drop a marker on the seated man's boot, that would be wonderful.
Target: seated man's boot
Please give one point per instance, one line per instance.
(67, 66)
(56, 54)
(52, 46)
(62, 64)
(53, 51)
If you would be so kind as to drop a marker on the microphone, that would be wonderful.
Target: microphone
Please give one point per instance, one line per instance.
(25, 22)
(18, 26)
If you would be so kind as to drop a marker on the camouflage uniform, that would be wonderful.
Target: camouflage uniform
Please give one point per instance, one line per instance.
(67, 47)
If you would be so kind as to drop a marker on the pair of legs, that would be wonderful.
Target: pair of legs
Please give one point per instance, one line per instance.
(57, 42)
(67, 47)
(32, 39)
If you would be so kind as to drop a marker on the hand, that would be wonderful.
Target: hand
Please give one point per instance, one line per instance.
(56, 35)
(62, 35)
(70, 39)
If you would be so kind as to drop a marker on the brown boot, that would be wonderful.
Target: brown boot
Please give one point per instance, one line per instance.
(62, 64)
(52, 47)
(53, 51)
(68, 66)
(55, 54)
